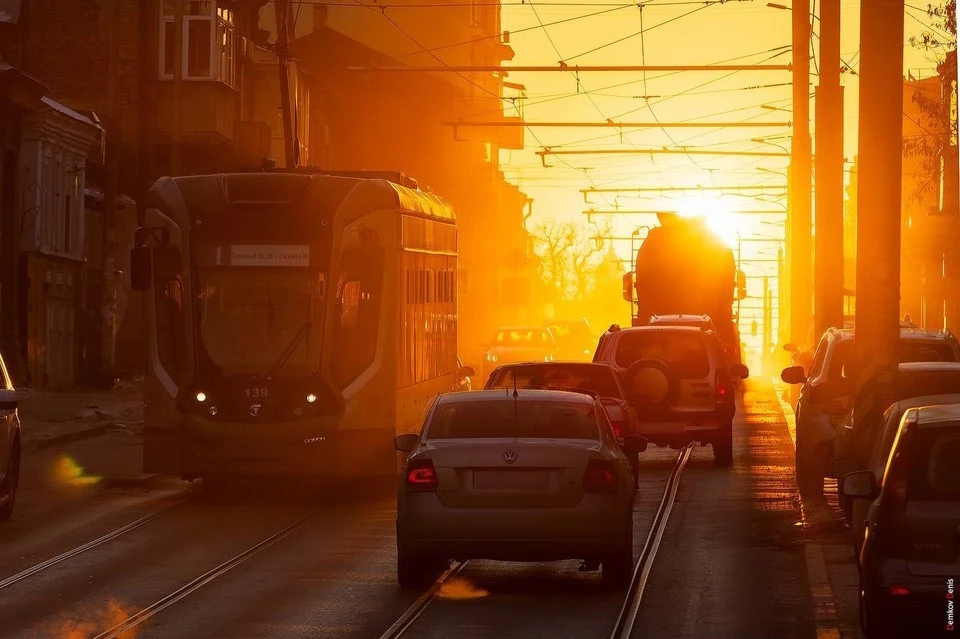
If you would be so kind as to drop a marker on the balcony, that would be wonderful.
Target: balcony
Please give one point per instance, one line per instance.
(208, 111)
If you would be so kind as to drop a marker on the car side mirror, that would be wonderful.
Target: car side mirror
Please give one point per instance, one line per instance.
(790, 347)
(628, 287)
(141, 268)
(466, 371)
(633, 443)
(859, 485)
(794, 375)
(835, 407)
(740, 371)
(406, 443)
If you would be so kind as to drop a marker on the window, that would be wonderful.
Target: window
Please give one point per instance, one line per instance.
(168, 299)
(209, 42)
(529, 419)
(358, 319)
(685, 352)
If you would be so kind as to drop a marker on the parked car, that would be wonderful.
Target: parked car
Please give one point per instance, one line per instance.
(9, 443)
(519, 476)
(827, 384)
(575, 339)
(520, 344)
(909, 560)
(858, 433)
(599, 379)
(889, 426)
(678, 382)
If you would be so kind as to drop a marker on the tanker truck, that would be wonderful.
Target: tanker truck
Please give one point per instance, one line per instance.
(684, 268)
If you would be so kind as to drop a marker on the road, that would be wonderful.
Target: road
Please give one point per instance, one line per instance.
(741, 556)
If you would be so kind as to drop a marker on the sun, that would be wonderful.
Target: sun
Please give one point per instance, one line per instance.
(720, 220)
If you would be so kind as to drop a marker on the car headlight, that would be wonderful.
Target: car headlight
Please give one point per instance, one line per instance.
(491, 357)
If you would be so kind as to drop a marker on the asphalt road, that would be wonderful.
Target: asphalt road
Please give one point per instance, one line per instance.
(742, 556)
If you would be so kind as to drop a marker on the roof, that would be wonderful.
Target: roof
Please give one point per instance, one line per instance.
(661, 328)
(70, 113)
(523, 394)
(563, 364)
(938, 414)
(905, 333)
(682, 317)
(208, 194)
(532, 327)
(929, 367)
(924, 400)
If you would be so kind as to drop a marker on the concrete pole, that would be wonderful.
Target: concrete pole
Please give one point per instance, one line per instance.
(176, 151)
(800, 218)
(281, 7)
(828, 255)
(108, 326)
(878, 198)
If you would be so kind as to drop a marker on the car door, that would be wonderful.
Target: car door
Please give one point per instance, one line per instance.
(8, 417)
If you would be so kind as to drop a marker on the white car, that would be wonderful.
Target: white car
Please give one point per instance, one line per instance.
(526, 475)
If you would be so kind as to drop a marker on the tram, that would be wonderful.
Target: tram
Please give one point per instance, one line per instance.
(295, 322)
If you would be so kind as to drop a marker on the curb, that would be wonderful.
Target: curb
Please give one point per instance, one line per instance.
(66, 438)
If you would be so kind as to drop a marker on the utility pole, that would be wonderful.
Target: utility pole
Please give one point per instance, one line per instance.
(878, 205)
(282, 9)
(108, 318)
(828, 254)
(800, 217)
(176, 151)
(149, 19)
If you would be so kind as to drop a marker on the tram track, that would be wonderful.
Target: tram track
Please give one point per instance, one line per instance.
(90, 545)
(204, 579)
(627, 617)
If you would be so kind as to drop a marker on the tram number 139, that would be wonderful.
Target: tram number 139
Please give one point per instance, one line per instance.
(256, 393)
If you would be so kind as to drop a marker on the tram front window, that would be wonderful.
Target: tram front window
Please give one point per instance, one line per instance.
(260, 320)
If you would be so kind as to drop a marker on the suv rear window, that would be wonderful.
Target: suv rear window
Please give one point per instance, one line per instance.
(934, 459)
(684, 351)
(531, 419)
(591, 377)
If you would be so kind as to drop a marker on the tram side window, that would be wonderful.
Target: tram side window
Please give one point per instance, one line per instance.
(358, 319)
(169, 298)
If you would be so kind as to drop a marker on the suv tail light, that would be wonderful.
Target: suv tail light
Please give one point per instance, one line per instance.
(600, 477)
(421, 476)
(723, 392)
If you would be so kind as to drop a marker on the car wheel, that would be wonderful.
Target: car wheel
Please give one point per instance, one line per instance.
(617, 568)
(723, 447)
(8, 488)
(416, 571)
(809, 476)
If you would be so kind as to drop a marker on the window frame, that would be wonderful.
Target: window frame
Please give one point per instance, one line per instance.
(223, 59)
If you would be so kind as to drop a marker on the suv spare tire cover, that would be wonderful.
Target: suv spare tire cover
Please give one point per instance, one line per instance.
(650, 384)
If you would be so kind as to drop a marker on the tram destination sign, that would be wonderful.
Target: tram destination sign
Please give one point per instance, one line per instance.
(269, 255)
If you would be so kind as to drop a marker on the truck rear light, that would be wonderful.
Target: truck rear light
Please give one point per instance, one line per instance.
(421, 476)
(600, 477)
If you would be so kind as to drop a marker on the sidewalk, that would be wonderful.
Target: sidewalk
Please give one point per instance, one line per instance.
(54, 418)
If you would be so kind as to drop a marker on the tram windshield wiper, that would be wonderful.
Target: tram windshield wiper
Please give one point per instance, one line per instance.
(291, 347)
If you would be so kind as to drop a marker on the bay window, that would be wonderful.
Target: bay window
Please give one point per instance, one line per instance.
(209, 42)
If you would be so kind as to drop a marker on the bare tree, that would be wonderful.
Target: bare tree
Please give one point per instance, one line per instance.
(568, 255)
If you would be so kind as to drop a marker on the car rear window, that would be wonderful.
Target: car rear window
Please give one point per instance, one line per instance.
(912, 350)
(521, 418)
(522, 337)
(594, 378)
(934, 459)
(684, 351)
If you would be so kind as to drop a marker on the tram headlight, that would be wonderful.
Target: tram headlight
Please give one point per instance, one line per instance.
(213, 411)
(311, 398)
(201, 397)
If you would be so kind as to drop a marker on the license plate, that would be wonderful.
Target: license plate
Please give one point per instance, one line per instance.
(510, 479)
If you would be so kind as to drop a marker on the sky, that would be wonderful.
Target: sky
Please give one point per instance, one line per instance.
(674, 32)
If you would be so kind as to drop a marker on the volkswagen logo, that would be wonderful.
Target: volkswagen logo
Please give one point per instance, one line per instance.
(510, 456)
(255, 410)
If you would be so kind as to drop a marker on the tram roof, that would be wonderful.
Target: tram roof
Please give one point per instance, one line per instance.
(204, 192)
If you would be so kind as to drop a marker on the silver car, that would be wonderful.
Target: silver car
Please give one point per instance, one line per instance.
(525, 475)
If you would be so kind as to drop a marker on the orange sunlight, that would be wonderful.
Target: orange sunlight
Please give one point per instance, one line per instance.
(724, 223)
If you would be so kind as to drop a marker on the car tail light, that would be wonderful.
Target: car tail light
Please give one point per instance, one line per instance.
(600, 477)
(899, 591)
(618, 428)
(723, 392)
(421, 476)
